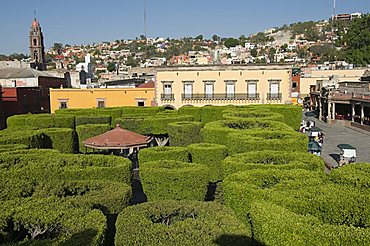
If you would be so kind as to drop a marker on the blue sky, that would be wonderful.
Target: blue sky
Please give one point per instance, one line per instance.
(88, 21)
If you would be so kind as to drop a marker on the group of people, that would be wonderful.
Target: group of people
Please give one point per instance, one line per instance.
(306, 125)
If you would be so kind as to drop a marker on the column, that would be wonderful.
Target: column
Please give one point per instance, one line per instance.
(362, 115)
(320, 109)
(329, 110)
(353, 112)
(333, 111)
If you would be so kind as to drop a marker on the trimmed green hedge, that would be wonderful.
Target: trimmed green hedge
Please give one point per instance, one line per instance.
(212, 113)
(243, 188)
(158, 125)
(215, 132)
(169, 179)
(93, 119)
(196, 112)
(292, 113)
(271, 160)
(164, 153)
(30, 138)
(62, 223)
(180, 223)
(275, 225)
(210, 155)
(114, 113)
(140, 111)
(167, 113)
(12, 147)
(88, 131)
(62, 139)
(250, 114)
(256, 140)
(133, 124)
(356, 174)
(40, 121)
(184, 133)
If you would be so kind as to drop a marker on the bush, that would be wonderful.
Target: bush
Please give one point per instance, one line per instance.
(261, 115)
(184, 133)
(271, 160)
(88, 131)
(180, 223)
(12, 147)
(114, 113)
(255, 140)
(243, 188)
(169, 179)
(134, 124)
(210, 155)
(62, 139)
(30, 138)
(93, 119)
(212, 113)
(196, 112)
(166, 113)
(356, 174)
(158, 125)
(140, 111)
(292, 113)
(164, 153)
(49, 221)
(275, 225)
(216, 131)
(40, 121)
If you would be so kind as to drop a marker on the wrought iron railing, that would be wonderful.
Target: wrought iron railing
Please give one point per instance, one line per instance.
(220, 96)
(167, 97)
(274, 96)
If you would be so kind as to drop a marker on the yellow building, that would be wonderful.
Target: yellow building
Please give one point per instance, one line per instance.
(100, 97)
(223, 85)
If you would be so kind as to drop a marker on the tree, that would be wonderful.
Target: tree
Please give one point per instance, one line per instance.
(111, 66)
(254, 52)
(357, 41)
(199, 37)
(231, 42)
(57, 46)
(132, 62)
(272, 52)
(142, 37)
(215, 38)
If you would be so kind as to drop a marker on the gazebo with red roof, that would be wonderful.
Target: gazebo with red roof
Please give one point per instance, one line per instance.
(117, 139)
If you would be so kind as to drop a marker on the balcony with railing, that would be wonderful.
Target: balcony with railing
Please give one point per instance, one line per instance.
(167, 97)
(274, 96)
(221, 96)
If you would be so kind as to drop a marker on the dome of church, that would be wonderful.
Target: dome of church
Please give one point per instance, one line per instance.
(35, 23)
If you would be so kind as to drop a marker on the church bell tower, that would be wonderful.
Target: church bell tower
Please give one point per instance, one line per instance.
(37, 50)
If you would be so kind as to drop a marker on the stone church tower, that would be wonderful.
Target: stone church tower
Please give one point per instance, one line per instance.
(37, 50)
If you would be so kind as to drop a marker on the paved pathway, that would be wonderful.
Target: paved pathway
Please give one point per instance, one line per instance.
(339, 134)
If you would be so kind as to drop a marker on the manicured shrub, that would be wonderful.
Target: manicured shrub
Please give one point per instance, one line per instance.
(164, 153)
(243, 188)
(62, 139)
(167, 113)
(292, 113)
(212, 113)
(256, 140)
(210, 155)
(215, 132)
(50, 221)
(30, 138)
(275, 225)
(114, 113)
(356, 174)
(12, 147)
(196, 112)
(88, 131)
(261, 115)
(184, 133)
(169, 179)
(158, 125)
(271, 160)
(40, 121)
(180, 223)
(133, 124)
(93, 119)
(140, 111)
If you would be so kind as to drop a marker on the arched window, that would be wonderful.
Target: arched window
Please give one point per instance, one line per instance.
(36, 56)
(35, 42)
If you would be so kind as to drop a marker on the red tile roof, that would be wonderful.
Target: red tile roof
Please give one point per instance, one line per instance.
(147, 85)
(117, 138)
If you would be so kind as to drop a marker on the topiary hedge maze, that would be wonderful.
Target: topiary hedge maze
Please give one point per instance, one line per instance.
(60, 199)
(170, 179)
(164, 153)
(88, 131)
(180, 223)
(184, 133)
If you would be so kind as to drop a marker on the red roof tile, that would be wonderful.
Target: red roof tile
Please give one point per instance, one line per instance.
(147, 85)
(117, 138)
